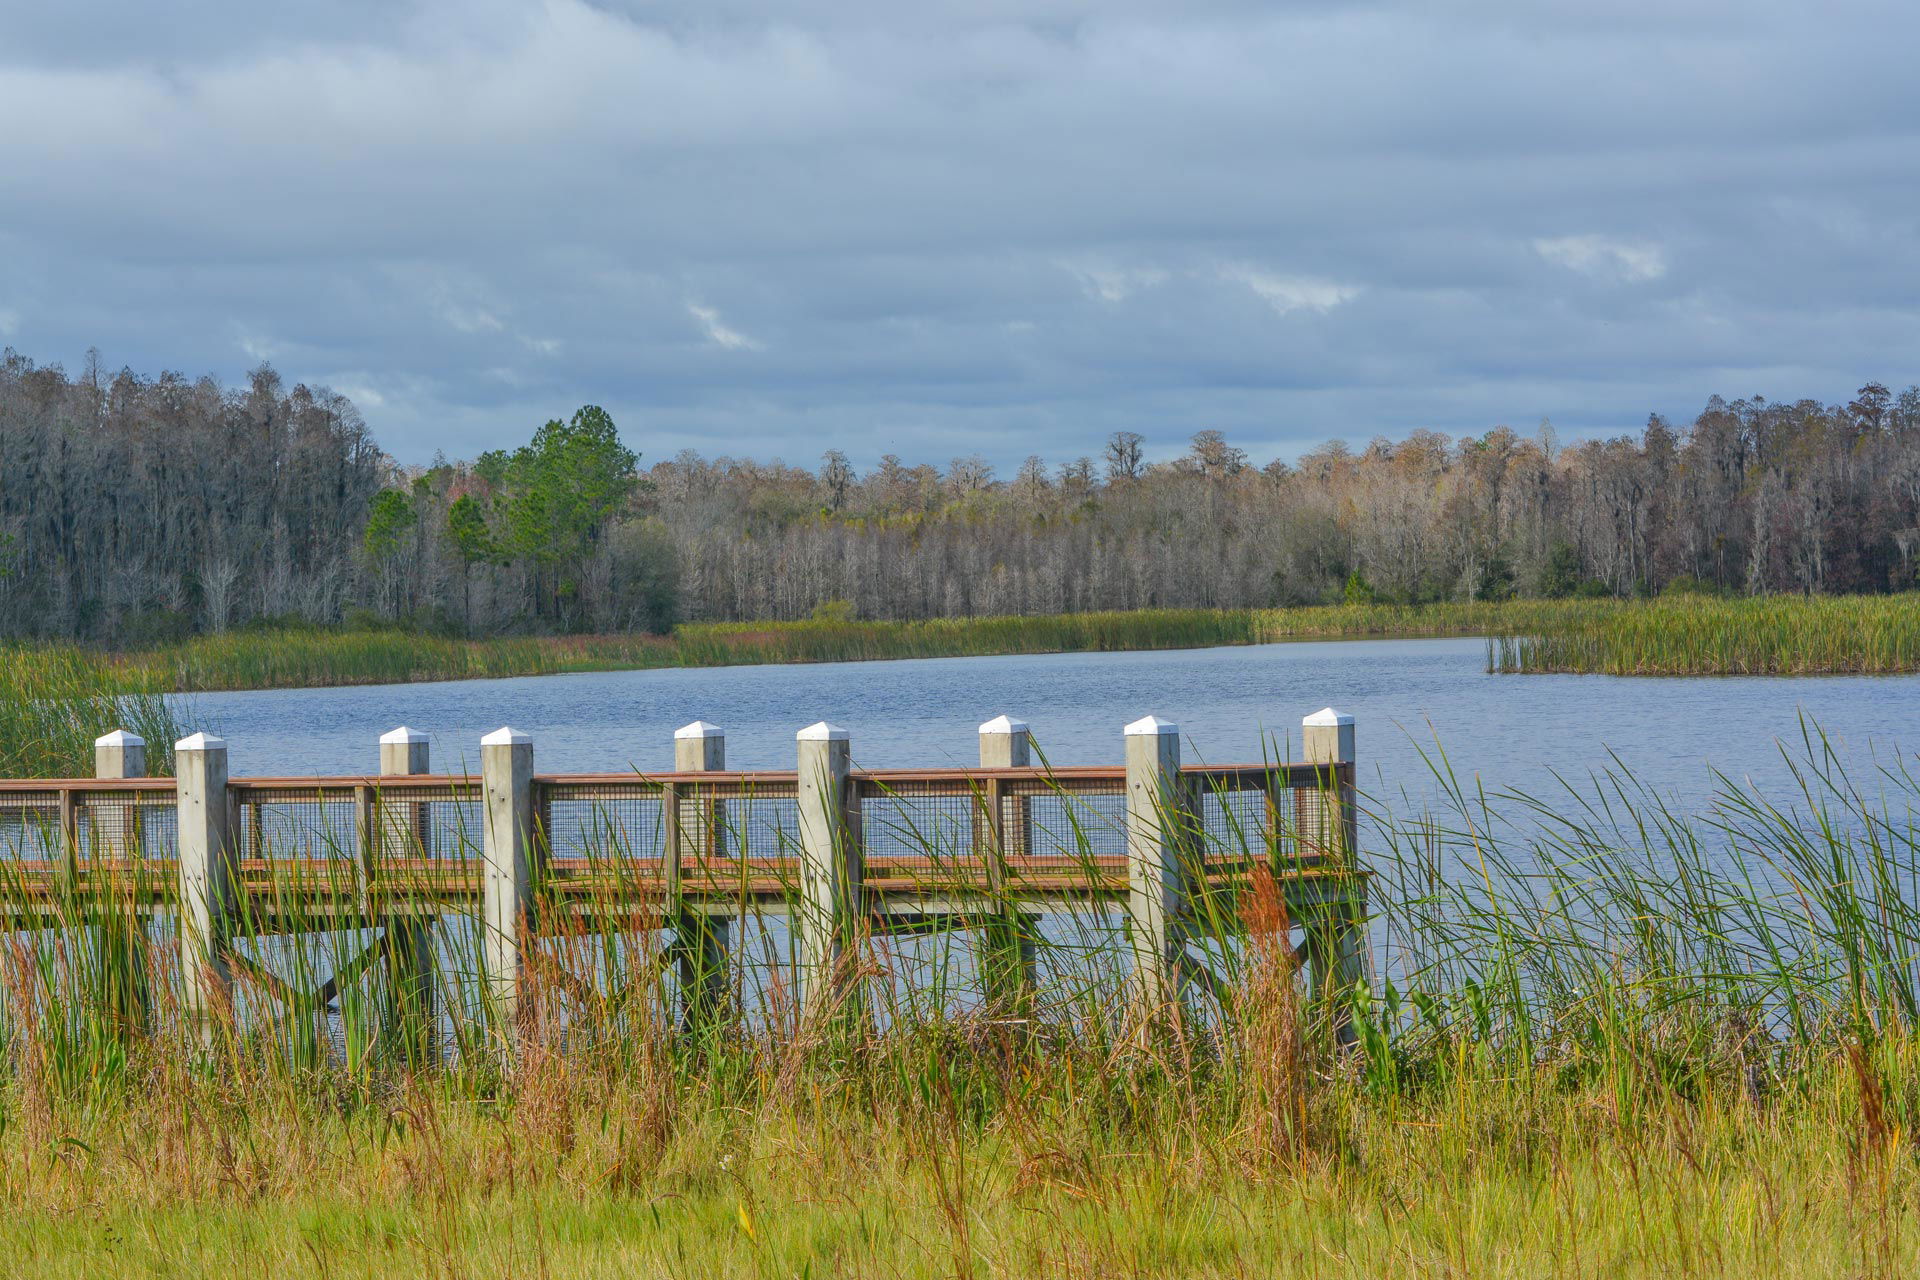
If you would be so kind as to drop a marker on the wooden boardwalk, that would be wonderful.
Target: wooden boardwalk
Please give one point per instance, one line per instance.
(844, 854)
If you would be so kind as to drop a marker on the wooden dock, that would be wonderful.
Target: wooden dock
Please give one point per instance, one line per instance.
(845, 854)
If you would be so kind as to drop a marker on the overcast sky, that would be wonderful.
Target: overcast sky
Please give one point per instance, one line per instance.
(971, 226)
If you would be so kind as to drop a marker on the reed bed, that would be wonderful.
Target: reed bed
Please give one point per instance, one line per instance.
(55, 701)
(276, 659)
(296, 658)
(1672, 635)
(1604, 1037)
(1699, 635)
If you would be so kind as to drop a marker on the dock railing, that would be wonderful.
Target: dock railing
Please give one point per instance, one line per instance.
(846, 855)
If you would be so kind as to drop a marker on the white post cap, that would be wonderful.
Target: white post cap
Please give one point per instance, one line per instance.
(821, 731)
(200, 742)
(1327, 716)
(699, 729)
(506, 736)
(1004, 724)
(1152, 726)
(403, 735)
(120, 738)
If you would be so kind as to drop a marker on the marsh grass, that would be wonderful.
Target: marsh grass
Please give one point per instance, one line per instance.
(1701, 635)
(1604, 1037)
(293, 658)
(1676, 635)
(55, 701)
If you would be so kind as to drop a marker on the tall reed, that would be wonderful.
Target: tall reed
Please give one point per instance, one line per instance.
(55, 701)
(1698, 635)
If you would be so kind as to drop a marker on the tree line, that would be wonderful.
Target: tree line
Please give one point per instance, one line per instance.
(137, 510)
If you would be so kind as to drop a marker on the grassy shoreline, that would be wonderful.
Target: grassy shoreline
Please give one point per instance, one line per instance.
(1697, 635)
(1600, 1052)
(55, 698)
(320, 658)
(1673, 635)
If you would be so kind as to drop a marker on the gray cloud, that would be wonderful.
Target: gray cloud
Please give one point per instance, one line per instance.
(1001, 227)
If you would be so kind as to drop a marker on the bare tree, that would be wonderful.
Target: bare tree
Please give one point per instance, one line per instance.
(1123, 455)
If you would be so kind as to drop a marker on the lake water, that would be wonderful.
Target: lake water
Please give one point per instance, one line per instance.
(1510, 731)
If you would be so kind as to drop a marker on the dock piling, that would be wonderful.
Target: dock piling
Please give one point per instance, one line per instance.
(117, 932)
(1336, 939)
(206, 879)
(1008, 955)
(410, 926)
(1156, 818)
(702, 938)
(509, 851)
(830, 870)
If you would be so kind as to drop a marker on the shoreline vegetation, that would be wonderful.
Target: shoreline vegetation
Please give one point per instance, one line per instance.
(1671, 635)
(1593, 1047)
(314, 658)
(55, 698)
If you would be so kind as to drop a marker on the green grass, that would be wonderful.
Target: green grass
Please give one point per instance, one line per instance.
(1597, 1046)
(1675, 635)
(278, 659)
(1697, 635)
(55, 701)
(654, 1181)
(311, 658)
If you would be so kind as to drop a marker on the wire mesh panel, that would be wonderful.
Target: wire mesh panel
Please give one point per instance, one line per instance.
(438, 820)
(1232, 823)
(739, 833)
(763, 821)
(919, 819)
(30, 826)
(1064, 833)
(603, 821)
(700, 820)
(1052, 819)
(1320, 811)
(282, 824)
(120, 826)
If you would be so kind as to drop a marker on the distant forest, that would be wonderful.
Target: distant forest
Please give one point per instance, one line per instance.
(139, 510)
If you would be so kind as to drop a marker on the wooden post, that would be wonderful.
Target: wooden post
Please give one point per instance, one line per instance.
(113, 823)
(700, 939)
(120, 754)
(1007, 950)
(118, 930)
(1005, 743)
(403, 751)
(1326, 738)
(1337, 941)
(402, 832)
(699, 747)
(508, 848)
(1156, 874)
(206, 879)
(831, 869)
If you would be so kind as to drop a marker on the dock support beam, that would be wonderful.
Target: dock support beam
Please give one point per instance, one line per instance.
(508, 848)
(1156, 864)
(701, 940)
(404, 833)
(206, 881)
(1337, 940)
(831, 867)
(1008, 956)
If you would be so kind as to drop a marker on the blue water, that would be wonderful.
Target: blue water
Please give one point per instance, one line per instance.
(1409, 696)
